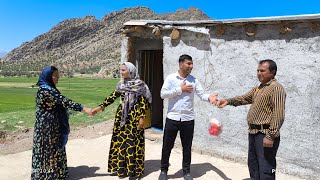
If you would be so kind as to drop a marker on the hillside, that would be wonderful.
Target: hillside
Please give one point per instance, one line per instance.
(83, 45)
(2, 54)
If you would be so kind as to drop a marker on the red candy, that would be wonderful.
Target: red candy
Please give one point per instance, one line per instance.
(211, 131)
(215, 127)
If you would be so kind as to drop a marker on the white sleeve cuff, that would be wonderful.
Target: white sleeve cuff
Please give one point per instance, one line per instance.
(205, 97)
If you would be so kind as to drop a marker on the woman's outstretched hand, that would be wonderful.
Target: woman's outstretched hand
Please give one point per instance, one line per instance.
(87, 110)
(95, 111)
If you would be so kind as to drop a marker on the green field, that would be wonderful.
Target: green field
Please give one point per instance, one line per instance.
(17, 100)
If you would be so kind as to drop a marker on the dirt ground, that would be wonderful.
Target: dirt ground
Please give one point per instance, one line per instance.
(87, 150)
(21, 140)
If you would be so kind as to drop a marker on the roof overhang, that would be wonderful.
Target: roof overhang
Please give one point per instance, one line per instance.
(298, 18)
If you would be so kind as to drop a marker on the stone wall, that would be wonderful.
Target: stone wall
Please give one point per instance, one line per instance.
(227, 65)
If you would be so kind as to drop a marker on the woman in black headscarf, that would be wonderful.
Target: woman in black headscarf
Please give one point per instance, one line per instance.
(126, 154)
(49, 160)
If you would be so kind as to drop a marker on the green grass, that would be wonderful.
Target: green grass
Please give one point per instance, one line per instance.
(17, 100)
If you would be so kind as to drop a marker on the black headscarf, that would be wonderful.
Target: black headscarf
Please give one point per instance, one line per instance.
(45, 80)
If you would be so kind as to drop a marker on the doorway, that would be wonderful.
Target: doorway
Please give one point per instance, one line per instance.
(151, 72)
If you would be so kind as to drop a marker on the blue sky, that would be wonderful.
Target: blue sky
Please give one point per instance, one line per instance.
(23, 20)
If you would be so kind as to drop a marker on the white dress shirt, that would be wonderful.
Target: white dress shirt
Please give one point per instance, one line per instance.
(180, 104)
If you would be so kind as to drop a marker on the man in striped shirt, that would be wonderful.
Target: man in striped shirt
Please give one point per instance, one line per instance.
(265, 118)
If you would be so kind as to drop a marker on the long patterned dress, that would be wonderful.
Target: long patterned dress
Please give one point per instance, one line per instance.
(126, 154)
(49, 160)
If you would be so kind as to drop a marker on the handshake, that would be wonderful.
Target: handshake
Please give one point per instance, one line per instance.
(220, 103)
(91, 111)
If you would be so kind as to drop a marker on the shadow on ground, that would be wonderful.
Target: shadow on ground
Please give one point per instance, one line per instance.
(80, 172)
(198, 170)
(151, 166)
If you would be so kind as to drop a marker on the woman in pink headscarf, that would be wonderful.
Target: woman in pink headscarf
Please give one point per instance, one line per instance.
(126, 155)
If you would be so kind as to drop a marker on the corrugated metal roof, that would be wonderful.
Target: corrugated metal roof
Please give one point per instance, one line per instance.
(225, 21)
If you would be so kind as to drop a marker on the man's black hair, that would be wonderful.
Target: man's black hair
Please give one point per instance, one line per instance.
(184, 57)
(272, 65)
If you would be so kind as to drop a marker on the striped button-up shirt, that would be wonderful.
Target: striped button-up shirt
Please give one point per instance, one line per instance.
(268, 107)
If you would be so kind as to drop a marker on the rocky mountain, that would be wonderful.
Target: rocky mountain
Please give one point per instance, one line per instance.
(84, 44)
(3, 54)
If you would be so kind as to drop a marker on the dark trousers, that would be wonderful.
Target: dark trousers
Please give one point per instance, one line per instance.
(262, 160)
(171, 129)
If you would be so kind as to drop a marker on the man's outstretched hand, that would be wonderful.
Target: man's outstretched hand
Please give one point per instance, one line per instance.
(213, 99)
(222, 103)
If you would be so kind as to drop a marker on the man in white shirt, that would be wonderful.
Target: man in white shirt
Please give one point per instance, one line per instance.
(180, 88)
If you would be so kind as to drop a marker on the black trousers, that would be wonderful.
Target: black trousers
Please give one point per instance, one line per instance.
(262, 160)
(171, 129)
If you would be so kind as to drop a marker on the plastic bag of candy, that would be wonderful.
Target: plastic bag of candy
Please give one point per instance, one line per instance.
(215, 127)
